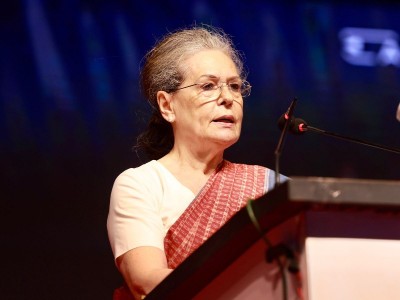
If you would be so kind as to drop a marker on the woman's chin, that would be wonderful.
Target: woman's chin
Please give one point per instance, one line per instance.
(226, 141)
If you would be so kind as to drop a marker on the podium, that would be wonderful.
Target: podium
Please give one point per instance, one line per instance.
(344, 235)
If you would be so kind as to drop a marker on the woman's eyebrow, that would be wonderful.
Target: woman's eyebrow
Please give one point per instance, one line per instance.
(211, 76)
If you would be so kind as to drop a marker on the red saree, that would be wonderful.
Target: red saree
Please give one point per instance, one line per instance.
(225, 193)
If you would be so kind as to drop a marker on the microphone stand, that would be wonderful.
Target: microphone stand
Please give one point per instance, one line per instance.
(279, 147)
(306, 127)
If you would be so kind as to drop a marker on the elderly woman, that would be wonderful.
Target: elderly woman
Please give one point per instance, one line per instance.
(163, 210)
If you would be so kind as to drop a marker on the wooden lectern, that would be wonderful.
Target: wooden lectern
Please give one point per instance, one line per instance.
(345, 234)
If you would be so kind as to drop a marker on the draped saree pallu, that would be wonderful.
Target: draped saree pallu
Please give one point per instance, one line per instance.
(224, 194)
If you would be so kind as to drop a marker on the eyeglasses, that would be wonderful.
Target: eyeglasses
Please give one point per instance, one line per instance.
(211, 89)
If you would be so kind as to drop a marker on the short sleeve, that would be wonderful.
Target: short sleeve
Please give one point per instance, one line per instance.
(134, 218)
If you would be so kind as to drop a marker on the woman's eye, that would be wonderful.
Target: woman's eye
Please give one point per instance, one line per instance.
(235, 86)
(208, 86)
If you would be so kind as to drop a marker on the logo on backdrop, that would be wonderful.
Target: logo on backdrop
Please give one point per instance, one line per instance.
(370, 47)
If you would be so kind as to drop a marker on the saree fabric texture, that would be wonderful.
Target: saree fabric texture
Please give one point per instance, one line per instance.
(225, 193)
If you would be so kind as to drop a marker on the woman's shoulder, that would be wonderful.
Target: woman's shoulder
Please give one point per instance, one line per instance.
(142, 174)
(141, 180)
(148, 167)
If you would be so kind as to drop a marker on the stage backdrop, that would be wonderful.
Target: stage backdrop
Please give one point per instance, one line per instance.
(70, 110)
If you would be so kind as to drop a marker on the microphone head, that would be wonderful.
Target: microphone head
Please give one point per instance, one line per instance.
(298, 126)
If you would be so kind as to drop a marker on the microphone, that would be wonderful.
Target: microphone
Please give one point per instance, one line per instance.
(296, 126)
(286, 120)
(299, 126)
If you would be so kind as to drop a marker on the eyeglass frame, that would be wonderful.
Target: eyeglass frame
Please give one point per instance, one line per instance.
(219, 86)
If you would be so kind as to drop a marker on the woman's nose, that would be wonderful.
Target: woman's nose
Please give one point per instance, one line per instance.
(226, 95)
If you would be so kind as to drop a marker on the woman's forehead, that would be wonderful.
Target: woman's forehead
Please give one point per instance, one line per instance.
(216, 77)
(210, 63)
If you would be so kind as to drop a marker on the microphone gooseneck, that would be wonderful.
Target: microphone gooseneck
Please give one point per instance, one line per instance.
(299, 126)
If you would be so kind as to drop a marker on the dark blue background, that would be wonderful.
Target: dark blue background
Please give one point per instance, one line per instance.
(70, 110)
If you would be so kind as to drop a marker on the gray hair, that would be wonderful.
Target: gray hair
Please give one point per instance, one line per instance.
(163, 70)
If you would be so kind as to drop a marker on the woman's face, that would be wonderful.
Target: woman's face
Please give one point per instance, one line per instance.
(201, 120)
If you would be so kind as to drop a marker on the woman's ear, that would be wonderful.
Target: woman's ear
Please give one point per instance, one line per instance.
(165, 104)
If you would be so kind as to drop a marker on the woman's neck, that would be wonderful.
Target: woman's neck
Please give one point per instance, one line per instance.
(185, 159)
(192, 171)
